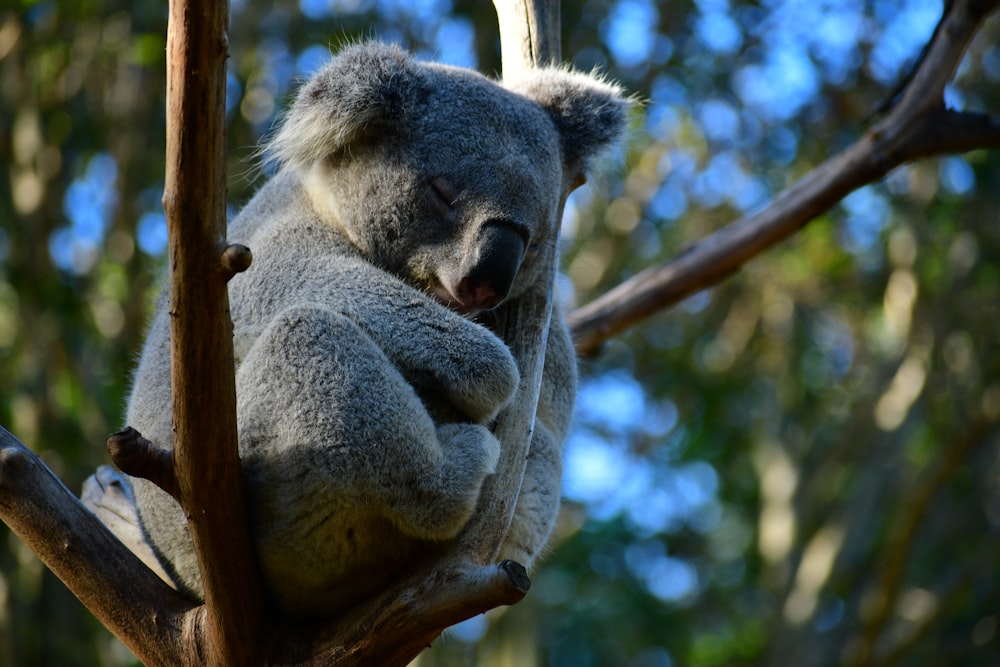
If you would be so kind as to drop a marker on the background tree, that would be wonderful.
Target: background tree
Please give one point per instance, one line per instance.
(798, 466)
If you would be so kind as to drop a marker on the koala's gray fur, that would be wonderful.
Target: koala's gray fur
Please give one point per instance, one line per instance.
(410, 200)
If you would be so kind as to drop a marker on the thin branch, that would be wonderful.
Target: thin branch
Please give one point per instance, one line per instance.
(942, 132)
(137, 456)
(531, 26)
(912, 514)
(918, 126)
(959, 23)
(952, 598)
(526, 327)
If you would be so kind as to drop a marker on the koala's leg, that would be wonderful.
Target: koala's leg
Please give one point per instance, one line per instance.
(332, 434)
(538, 504)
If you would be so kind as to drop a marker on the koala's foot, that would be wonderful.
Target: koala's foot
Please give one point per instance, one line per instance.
(108, 494)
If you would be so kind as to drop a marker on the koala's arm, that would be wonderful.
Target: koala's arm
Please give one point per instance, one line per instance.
(431, 346)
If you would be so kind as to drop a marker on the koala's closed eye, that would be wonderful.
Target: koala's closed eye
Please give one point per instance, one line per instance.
(442, 195)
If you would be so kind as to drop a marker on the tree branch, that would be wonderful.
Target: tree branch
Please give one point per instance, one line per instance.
(941, 132)
(529, 35)
(205, 457)
(126, 597)
(529, 39)
(918, 126)
(403, 621)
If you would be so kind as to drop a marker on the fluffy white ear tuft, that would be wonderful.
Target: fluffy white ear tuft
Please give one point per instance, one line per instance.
(365, 86)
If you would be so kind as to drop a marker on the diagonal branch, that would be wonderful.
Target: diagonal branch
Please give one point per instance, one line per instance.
(918, 126)
(126, 597)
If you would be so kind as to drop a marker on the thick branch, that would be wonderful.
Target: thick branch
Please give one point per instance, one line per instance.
(206, 459)
(917, 127)
(126, 597)
(392, 629)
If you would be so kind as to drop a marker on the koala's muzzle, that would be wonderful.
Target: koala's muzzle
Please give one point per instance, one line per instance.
(491, 266)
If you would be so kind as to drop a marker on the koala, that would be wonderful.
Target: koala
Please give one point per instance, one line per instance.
(410, 200)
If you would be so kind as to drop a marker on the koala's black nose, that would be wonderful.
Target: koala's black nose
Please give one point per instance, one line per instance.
(493, 265)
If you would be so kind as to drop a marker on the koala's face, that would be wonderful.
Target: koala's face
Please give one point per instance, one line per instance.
(441, 176)
(456, 200)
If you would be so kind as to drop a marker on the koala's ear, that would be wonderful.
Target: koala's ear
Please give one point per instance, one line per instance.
(591, 114)
(365, 86)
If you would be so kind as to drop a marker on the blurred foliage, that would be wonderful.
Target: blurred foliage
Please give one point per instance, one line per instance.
(800, 466)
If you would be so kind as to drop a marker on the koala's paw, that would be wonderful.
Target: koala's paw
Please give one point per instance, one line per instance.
(471, 449)
(487, 388)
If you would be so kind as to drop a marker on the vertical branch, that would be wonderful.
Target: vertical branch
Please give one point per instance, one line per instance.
(206, 458)
(529, 37)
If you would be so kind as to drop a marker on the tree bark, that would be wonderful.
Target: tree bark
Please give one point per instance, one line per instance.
(124, 595)
(529, 39)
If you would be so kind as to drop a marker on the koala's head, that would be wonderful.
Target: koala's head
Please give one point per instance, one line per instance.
(439, 175)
